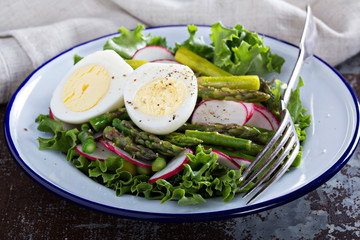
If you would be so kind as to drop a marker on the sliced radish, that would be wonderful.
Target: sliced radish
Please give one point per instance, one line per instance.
(241, 161)
(263, 118)
(151, 53)
(98, 136)
(226, 160)
(174, 166)
(250, 110)
(270, 116)
(110, 145)
(166, 61)
(259, 119)
(101, 152)
(219, 111)
(51, 115)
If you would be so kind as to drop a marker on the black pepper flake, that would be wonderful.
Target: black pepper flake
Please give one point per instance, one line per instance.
(112, 77)
(174, 117)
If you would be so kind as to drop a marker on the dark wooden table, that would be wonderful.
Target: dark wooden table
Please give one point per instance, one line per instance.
(27, 211)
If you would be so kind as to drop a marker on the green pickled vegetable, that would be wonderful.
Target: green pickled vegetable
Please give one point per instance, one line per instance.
(245, 82)
(198, 63)
(135, 63)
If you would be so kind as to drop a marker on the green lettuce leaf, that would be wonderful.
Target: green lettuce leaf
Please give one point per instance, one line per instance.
(301, 119)
(128, 42)
(242, 52)
(61, 141)
(197, 44)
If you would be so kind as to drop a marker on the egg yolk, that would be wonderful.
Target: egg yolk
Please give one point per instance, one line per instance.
(86, 87)
(160, 97)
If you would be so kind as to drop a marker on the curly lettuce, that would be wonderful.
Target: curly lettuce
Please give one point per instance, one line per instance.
(241, 52)
(202, 177)
(236, 50)
(128, 42)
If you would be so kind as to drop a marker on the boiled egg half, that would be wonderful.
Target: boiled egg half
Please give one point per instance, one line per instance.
(92, 86)
(160, 97)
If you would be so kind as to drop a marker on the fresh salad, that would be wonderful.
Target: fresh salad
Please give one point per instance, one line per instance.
(170, 122)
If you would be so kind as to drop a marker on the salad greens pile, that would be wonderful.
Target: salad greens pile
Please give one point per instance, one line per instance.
(235, 50)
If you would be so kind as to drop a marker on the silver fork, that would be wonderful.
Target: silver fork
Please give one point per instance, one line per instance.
(283, 147)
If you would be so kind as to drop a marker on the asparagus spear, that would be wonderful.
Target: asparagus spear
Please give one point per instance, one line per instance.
(87, 139)
(272, 104)
(232, 94)
(255, 134)
(230, 152)
(126, 143)
(215, 138)
(100, 122)
(198, 63)
(182, 140)
(246, 82)
(149, 140)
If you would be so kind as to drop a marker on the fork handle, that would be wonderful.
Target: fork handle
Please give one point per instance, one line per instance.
(307, 33)
(293, 78)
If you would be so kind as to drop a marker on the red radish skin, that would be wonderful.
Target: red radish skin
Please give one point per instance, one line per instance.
(152, 53)
(219, 111)
(101, 152)
(250, 110)
(241, 161)
(174, 166)
(98, 136)
(270, 116)
(109, 145)
(51, 115)
(259, 119)
(226, 160)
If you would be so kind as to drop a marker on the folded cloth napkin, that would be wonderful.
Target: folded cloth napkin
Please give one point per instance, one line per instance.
(33, 32)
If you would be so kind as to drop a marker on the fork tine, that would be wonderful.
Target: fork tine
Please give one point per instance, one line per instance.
(291, 150)
(283, 140)
(279, 173)
(289, 144)
(267, 147)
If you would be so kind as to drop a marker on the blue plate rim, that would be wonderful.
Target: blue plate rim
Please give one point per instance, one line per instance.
(179, 217)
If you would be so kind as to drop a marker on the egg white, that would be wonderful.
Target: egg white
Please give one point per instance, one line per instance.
(114, 98)
(160, 124)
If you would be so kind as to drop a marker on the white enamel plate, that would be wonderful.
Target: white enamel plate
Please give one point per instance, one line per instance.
(332, 139)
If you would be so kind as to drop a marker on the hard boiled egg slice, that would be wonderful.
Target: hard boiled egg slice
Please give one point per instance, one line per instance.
(160, 97)
(93, 86)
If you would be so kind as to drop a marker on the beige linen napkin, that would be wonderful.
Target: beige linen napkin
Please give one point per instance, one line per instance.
(32, 32)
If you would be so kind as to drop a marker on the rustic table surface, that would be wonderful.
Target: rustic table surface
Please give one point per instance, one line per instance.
(28, 211)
